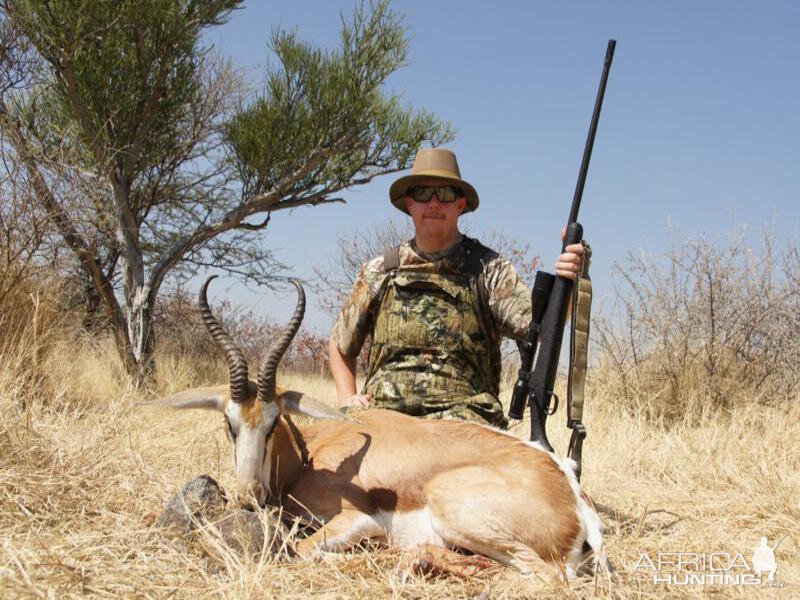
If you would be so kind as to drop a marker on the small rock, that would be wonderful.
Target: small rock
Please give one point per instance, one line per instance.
(201, 506)
(199, 499)
(244, 532)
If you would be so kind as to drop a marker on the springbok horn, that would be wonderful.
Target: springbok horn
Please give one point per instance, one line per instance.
(269, 366)
(237, 365)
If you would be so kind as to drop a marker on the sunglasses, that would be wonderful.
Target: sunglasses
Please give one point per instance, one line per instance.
(445, 193)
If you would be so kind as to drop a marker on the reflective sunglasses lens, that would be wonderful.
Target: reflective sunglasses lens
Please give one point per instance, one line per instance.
(422, 194)
(446, 194)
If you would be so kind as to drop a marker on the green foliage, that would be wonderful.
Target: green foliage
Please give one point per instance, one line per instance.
(323, 120)
(126, 71)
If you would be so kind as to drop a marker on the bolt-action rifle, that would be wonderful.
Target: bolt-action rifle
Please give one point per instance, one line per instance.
(550, 297)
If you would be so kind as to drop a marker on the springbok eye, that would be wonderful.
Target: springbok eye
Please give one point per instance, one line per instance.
(231, 432)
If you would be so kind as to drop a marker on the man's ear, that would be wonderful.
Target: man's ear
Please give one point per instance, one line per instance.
(408, 203)
(462, 205)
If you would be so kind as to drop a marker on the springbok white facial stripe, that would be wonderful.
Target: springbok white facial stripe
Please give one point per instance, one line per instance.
(252, 450)
(233, 412)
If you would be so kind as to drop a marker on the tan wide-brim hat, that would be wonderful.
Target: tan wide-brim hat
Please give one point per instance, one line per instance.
(432, 163)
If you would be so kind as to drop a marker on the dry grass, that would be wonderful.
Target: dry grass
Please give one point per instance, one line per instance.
(84, 470)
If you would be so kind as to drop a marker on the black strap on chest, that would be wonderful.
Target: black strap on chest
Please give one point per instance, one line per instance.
(391, 259)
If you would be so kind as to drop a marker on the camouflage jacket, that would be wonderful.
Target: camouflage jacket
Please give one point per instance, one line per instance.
(431, 353)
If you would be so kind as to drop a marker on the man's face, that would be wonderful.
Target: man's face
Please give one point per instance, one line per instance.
(435, 219)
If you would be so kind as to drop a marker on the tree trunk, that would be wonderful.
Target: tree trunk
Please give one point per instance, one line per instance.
(141, 337)
(123, 346)
(139, 300)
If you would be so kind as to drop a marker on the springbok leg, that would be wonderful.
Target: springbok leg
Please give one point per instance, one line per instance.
(435, 560)
(341, 532)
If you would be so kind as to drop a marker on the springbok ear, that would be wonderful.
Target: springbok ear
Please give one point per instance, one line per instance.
(208, 398)
(296, 403)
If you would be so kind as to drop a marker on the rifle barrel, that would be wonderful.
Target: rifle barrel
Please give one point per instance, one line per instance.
(587, 151)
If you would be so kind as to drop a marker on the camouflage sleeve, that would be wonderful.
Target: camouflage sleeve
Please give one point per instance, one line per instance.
(356, 320)
(509, 299)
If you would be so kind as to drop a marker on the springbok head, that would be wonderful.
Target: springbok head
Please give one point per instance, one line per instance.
(251, 409)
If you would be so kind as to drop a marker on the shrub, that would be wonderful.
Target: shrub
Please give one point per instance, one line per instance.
(709, 324)
(180, 333)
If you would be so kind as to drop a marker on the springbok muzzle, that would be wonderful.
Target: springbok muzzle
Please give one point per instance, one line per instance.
(251, 494)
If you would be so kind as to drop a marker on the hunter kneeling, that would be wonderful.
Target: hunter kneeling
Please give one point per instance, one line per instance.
(436, 308)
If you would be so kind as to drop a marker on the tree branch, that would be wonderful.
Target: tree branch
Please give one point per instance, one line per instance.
(312, 200)
(255, 226)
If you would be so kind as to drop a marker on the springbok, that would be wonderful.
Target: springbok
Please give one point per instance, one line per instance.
(381, 474)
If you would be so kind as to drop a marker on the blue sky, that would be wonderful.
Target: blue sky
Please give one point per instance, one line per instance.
(700, 127)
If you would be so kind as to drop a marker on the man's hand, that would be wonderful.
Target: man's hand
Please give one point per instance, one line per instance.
(570, 263)
(356, 401)
(343, 370)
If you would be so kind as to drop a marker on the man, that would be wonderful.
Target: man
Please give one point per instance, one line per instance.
(436, 307)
